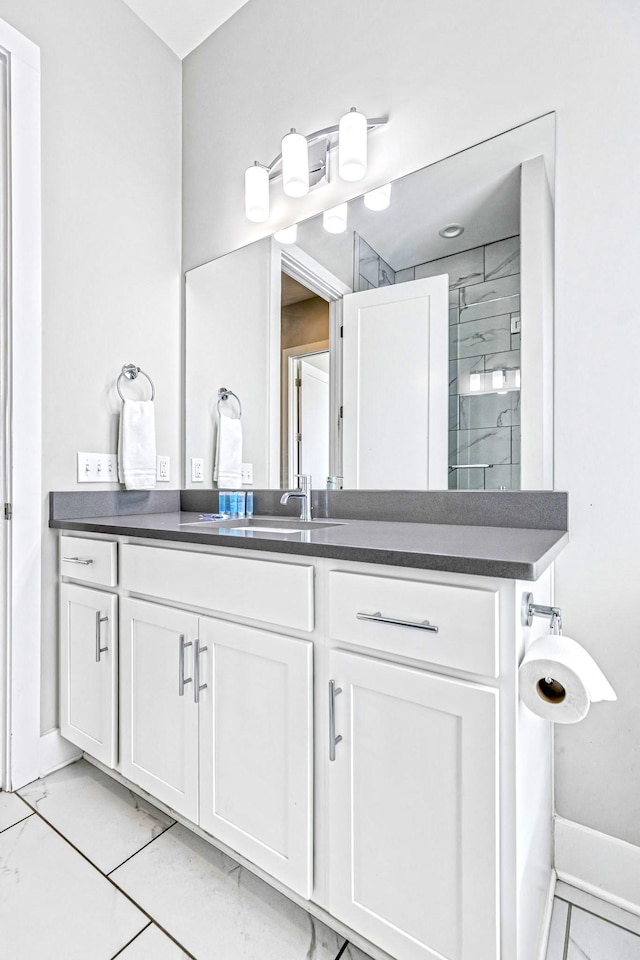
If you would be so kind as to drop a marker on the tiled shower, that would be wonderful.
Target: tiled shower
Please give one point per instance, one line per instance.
(484, 356)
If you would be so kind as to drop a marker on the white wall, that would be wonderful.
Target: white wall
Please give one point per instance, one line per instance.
(111, 171)
(450, 75)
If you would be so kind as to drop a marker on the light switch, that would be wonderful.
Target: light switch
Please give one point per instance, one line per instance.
(247, 473)
(97, 468)
(197, 470)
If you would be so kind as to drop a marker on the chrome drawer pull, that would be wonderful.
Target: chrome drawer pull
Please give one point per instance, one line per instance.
(85, 563)
(99, 649)
(333, 740)
(197, 686)
(416, 624)
(181, 678)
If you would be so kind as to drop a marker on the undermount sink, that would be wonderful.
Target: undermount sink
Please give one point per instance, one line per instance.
(284, 526)
(267, 525)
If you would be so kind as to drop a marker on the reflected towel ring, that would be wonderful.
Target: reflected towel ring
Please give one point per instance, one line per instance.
(130, 371)
(224, 394)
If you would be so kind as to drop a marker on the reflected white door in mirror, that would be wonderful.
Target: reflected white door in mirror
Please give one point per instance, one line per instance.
(440, 342)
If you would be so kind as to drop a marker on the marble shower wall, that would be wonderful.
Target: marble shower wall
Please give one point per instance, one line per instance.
(370, 270)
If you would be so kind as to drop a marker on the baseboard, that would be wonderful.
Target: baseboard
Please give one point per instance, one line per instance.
(598, 864)
(55, 752)
(546, 922)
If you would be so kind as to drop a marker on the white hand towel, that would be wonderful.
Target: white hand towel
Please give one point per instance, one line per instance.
(137, 445)
(228, 464)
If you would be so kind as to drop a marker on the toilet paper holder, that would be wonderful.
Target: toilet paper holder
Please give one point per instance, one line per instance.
(529, 610)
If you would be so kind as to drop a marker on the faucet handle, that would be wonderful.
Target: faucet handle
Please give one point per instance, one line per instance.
(305, 481)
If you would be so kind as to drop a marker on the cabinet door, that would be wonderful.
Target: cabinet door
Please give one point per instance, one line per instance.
(413, 810)
(159, 715)
(89, 670)
(256, 741)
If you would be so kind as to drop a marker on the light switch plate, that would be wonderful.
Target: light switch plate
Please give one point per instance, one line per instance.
(247, 473)
(163, 469)
(197, 470)
(97, 468)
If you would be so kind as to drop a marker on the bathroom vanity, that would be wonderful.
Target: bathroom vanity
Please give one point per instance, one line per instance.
(337, 708)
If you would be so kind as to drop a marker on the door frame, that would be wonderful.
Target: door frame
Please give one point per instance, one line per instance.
(300, 266)
(21, 416)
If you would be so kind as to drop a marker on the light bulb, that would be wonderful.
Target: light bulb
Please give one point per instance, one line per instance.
(256, 193)
(295, 164)
(288, 235)
(352, 145)
(335, 219)
(378, 199)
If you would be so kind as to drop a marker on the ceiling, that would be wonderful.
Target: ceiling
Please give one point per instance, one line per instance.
(185, 24)
(479, 188)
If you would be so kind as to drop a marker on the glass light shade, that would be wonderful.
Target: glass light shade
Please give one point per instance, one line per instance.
(378, 199)
(475, 382)
(288, 235)
(335, 219)
(497, 379)
(256, 194)
(295, 165)
(352, 145)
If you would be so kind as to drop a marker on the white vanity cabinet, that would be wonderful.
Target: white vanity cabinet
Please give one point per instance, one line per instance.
(413, 810)
(89, 670)
(352, 731)
(158, 712)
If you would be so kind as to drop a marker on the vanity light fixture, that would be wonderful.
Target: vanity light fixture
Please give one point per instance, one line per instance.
(378, 199)
(287, 234)
(335, 219)
(295, 164)
(302, 168)
(256, 193)
(451, 231)
(352, 145)
(497, 379)
(475, 382)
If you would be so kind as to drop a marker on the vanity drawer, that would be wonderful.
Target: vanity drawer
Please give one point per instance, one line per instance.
(466, 618)
(91, 561)
(276, 593)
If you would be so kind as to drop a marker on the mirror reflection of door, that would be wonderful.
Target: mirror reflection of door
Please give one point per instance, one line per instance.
(305, 412)
(309, 425)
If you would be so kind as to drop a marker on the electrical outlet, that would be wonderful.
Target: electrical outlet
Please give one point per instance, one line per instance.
(97, 468)
(163, 465)
(247, 473)
(197, 470)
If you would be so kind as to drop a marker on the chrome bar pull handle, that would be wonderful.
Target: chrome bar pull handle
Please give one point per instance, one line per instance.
(197, 686)
(416, 624)
(333, 740)
(99, 649)
(85, 562)
(182, 682)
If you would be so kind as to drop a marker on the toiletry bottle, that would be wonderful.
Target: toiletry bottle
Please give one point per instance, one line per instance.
(249, 504)
(223, 503)
(241, 502)
(233, 503)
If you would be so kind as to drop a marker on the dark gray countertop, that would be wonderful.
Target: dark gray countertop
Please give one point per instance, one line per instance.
(490, 551)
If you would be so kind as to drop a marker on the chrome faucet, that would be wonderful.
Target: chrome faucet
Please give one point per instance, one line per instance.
(303, 494)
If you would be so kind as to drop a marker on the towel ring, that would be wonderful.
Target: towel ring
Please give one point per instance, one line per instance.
(130, 371)
(224, 394)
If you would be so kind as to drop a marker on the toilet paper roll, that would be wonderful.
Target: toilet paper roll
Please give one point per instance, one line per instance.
(559, 680)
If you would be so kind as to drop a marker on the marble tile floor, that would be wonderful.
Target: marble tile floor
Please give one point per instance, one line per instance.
(586, 928)
(89, 871)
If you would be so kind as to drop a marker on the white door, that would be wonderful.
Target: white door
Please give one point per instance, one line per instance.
(396, 386)
(314, 418)
(256, 748)
(413, 811)
(159, 715)
(89, 670)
